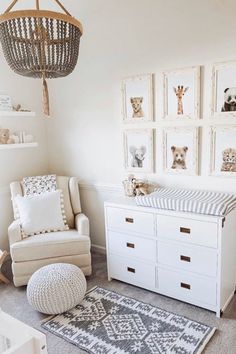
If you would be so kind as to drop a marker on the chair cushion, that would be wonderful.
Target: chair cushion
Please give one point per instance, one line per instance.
(49, 245)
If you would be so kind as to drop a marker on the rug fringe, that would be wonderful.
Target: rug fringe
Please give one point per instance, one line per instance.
(206, 341)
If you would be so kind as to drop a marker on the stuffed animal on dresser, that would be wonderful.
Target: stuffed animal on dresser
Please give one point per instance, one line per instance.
(5, 137)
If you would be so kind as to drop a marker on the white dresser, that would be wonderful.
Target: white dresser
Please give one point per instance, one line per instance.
(190, 257)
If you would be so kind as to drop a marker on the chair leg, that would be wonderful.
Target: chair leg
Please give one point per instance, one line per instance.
(4, 279)
(2, 259)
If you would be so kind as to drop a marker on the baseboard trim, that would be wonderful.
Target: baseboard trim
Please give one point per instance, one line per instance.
(99, 249)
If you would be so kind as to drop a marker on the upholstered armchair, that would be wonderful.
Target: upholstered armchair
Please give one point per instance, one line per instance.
(71, 246)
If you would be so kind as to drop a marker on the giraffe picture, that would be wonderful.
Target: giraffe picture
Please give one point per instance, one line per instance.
(182, 93)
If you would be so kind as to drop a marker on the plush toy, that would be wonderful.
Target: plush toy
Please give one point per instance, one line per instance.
(5, 137)
(140, 188)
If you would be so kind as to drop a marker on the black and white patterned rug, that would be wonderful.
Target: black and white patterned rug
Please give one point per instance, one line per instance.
(109, 323)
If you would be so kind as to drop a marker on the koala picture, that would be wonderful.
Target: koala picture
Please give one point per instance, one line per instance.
(138, 155)
(136, 103)
(179, 157)
(229, 160)
(229, 100)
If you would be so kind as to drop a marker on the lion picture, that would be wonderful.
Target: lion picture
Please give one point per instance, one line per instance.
(136, 103)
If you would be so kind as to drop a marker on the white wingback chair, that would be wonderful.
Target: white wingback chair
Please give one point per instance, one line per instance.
(72, 246)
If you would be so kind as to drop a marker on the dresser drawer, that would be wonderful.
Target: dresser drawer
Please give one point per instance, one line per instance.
(187, 230)
(187, 287)
(132, 271)
(190, 258)
(131, 246)
(130, 221)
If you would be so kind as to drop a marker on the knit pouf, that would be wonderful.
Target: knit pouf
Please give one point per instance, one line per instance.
(56, 288)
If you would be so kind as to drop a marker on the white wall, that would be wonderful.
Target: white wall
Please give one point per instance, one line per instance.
(17, 163)
(123, 38)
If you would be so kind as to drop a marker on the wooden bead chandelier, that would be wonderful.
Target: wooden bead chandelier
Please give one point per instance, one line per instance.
(40, 43)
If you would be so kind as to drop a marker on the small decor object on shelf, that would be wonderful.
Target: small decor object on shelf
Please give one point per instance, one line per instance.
(181, 150)
(5, 137)
(3, 256)
(134, 187)
(182, 93)
(137, 99)
(224, 90)
(223, 151)
(40, 44)
(138, 150)
(5, 103)
(18, 108)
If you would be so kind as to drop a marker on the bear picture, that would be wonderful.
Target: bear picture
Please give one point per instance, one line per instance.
(137, 97)
(179, 157)
(223, 150)
(138, 150)
(180, 150)
(224, 90)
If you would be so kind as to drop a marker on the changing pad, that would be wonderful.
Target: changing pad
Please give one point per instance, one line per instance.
(193, 201)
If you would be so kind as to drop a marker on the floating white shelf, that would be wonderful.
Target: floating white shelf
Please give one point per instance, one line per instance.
(17, 146)
(16, 114)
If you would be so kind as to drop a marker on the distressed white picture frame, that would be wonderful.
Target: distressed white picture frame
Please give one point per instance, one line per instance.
(136, 139)
(139, 89)
(179, 138)
(222, 139)
(190, 80)
(223, 77)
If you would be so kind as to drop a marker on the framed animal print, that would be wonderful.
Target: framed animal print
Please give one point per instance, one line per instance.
(223, 151)
(137, 92)
(180, 148)
(182, 93)
(138, 150)
(224, 90)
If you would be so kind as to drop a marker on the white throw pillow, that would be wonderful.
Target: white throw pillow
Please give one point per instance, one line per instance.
(41, 213)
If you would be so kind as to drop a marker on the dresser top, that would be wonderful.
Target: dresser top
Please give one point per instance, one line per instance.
(130, 204)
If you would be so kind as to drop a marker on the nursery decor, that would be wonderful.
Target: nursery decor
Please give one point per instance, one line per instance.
(106, 321)
(224, 90)
(5, 103)
(137, 94)
(182, 93)
(180, 150)
(133, 186)
(223, 151)
(5, 137)
(138, 150)
(40, 44)
(56, 288)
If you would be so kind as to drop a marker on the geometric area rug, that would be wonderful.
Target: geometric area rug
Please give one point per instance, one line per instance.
(106, 322)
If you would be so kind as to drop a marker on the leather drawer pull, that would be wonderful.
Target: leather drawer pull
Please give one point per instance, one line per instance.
(130, 245)
(185, 259)
(129, 220)
(131, 270)
(185, 286)
(185, 230)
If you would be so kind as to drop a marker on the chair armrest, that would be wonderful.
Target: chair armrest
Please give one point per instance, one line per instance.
(82, 224)
(14, 232)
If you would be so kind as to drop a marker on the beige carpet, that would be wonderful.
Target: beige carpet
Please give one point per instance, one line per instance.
(13, 301)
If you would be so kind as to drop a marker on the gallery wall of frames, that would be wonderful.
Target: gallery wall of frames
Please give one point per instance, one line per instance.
(181, 102)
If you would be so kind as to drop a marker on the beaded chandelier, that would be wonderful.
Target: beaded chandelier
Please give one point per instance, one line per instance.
(40, 43)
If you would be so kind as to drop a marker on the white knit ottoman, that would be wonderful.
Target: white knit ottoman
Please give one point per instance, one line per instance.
(56, 288)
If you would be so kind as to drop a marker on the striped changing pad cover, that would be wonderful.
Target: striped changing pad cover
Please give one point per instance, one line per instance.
(193, 201)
